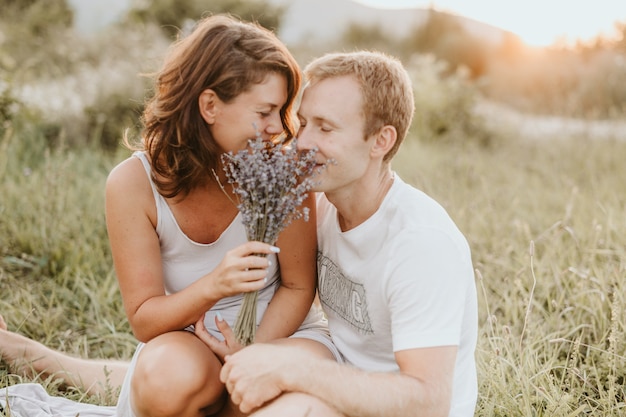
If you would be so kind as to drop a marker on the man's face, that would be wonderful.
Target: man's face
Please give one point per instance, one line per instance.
(331, 120)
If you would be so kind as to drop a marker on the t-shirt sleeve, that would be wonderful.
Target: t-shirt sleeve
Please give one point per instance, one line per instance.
(430, 274)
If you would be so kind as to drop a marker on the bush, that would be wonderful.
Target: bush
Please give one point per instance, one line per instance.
(108, 121)
(358, 36)
(9, 106)
(585, 82)
(444, 105)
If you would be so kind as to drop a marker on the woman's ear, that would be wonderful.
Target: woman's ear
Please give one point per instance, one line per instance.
(207, 102)
(384, 141)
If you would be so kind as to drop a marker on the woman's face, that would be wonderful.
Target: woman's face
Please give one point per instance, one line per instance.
(256, 110)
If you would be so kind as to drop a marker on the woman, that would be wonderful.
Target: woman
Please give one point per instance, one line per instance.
(179, 249)
(178, 244)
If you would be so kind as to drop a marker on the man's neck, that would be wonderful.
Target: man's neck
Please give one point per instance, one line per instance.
(359, 202)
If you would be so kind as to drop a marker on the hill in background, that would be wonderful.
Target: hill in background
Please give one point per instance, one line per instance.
(317, 21)
(310, 21)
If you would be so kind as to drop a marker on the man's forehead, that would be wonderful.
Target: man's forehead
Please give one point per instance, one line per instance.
(316, 106)
(334, 91)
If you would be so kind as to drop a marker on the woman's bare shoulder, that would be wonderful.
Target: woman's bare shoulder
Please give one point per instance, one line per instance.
(128, 173)
(129, 180)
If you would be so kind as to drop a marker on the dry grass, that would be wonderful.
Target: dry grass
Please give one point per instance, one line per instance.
(545, 222)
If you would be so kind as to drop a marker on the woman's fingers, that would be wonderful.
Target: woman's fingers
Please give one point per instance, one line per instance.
(254, 247)
(244, 269)
(226, 330)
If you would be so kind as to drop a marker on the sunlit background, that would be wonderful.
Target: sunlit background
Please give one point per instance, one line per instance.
(537, 22)
(519, 131)
(542, 58)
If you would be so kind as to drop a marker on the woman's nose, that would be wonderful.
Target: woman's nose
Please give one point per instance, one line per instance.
(275, 125)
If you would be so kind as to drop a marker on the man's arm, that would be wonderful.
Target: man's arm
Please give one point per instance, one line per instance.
(423, 387)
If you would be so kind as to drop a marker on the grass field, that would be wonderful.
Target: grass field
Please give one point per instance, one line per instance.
(546, 221)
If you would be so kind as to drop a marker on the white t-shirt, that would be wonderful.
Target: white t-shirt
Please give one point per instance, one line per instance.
(403, 279)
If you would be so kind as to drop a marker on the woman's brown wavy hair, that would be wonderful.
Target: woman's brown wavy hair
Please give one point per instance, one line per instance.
(222, 54)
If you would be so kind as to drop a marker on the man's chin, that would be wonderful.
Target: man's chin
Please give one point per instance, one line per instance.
(318, 187)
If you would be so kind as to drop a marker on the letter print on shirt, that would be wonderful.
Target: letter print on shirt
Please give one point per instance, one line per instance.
(342, 295)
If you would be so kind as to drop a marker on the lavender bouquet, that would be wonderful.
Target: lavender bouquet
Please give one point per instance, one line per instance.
(271, 181)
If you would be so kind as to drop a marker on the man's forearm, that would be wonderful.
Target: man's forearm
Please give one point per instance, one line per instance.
(356, 393)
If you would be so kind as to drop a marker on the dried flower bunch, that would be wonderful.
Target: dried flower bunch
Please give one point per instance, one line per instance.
(271, 181)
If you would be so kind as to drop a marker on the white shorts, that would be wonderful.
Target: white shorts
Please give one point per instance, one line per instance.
(315, 327)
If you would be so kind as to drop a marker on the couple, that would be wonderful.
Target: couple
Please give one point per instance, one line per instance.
(392, 271)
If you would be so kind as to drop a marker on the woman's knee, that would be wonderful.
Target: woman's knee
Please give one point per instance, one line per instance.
(175, 372)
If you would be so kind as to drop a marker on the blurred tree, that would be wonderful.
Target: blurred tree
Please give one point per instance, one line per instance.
(444, 36)
(174, 15)
(359, 36)
(30, 29)
(620, 43)
(427, 37)
(37, 16)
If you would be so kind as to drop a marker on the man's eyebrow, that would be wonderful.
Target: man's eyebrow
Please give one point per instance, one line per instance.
(317, 119)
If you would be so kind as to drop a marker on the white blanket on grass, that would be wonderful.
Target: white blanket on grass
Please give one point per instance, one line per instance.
(32, 400)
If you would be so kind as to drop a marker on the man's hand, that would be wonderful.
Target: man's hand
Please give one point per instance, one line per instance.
(253, 376)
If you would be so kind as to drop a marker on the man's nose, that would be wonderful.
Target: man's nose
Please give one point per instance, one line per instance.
(304, 140)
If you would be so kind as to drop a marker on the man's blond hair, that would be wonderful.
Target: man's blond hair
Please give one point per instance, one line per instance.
(385, 85)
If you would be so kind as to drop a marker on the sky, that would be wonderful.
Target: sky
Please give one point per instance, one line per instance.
(537, 22)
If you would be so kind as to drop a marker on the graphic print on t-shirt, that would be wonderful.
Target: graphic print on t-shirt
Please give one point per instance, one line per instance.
(342, 295)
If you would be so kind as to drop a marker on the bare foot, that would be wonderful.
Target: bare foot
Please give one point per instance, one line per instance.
(29, 358)
(17, 350)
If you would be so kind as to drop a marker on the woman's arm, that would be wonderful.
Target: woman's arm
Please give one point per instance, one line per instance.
(131, 225)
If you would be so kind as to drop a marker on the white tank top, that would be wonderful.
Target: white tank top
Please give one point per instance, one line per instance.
(185, 261)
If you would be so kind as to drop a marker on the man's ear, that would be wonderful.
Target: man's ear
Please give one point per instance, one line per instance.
(384, 141)
(208, 102)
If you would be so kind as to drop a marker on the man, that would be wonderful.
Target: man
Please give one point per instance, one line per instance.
(395, 274)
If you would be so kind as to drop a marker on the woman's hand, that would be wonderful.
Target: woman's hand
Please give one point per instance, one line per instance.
(243, 269)
(223, 348)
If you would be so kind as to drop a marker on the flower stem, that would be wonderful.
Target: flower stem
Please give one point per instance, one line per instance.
(245, 326)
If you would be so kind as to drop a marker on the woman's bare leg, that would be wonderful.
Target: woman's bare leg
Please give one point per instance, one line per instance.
(297, 404)
(292, 404)
(177, 374)
(28, 357)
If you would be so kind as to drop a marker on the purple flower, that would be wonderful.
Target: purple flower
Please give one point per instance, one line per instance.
(271, 181)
